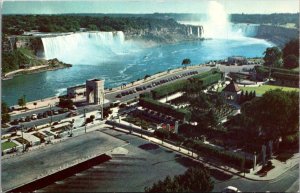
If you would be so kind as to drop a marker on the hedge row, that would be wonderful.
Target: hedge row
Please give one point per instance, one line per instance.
(168, 89)
(207, 78)
(206, 150)
(211, 79)
(215, 152)
(165, 109)
(278, 75)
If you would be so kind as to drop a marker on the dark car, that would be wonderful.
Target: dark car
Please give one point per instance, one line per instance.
(15, 122)
(139, 88)
(40, 116)
(119, 96)
(27, 119)
(45, 114)
(49, 113)
(55, 123)
(22, 119)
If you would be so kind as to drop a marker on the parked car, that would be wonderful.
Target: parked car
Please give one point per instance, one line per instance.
(72, 113)
(15, 122)
(49, 113)
(55, 112)
(55, 123)
(73, 107)
(40, 116)
(64, 110)
(119, 96)
(230, 189)
(27, 119)
(45, 115)
(33, 116)
(22, 119)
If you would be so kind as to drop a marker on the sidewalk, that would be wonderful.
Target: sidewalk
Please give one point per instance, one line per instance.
(40, 104)
(280, 167)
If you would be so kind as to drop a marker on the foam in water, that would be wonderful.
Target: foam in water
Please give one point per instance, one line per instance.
(86, 47)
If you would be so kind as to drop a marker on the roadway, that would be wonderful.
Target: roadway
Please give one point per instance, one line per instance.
(110, 96)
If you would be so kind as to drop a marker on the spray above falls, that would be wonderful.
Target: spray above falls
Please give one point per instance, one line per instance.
(86, 47)
(218, 25)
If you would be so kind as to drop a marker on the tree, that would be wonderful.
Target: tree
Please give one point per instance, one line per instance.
(22, 101)
(35, 103)
(5, 117)
(273, 58)
(276, 112)
(291, 61)
(65, 103)
(291, 48)
(186, 62)
(146, 76)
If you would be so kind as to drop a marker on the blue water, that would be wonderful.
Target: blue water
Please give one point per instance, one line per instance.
(125, 68)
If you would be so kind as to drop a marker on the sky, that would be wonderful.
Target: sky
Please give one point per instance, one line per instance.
(145, 6)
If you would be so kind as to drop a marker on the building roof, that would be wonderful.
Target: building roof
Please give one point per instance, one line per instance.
(232, 87)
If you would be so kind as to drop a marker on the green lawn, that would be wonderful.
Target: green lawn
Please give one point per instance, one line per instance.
(260, 90)
(8, 145)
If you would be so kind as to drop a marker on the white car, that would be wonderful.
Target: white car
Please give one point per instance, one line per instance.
(230, 189)
(33, 116)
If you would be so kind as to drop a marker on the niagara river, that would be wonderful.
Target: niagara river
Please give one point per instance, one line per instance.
(120, 61)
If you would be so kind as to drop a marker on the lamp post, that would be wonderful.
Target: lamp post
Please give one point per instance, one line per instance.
(22, 127)
(50, 114)
(84, 115)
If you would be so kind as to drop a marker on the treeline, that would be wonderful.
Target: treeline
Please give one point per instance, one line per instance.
(12, 60)
(17, 24)
(274, 19)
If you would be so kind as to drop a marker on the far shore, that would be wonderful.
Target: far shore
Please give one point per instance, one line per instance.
(31, 70)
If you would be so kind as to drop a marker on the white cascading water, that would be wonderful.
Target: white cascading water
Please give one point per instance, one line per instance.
(85, 46)
(218, 25)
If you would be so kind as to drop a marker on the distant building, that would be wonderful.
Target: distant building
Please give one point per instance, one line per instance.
(231, 92)
(237, 60)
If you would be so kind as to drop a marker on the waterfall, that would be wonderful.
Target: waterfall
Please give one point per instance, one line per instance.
(198, 32)
(191, 31)
(249, 30)
(71, 48)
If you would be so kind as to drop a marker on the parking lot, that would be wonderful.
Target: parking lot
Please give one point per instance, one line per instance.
(35, 164)
(156, 83)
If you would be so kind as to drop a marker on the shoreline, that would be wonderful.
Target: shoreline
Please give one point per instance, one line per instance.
(34, 69)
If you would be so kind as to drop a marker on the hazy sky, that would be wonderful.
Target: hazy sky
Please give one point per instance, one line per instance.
(146, 6)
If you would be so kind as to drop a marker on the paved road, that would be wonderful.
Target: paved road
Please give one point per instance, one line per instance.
(110, 96)
(287, 181)
(147, 163)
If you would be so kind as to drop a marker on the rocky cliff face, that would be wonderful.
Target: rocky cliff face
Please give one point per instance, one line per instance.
(30, 42)
(166, 35)
(278, 35)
